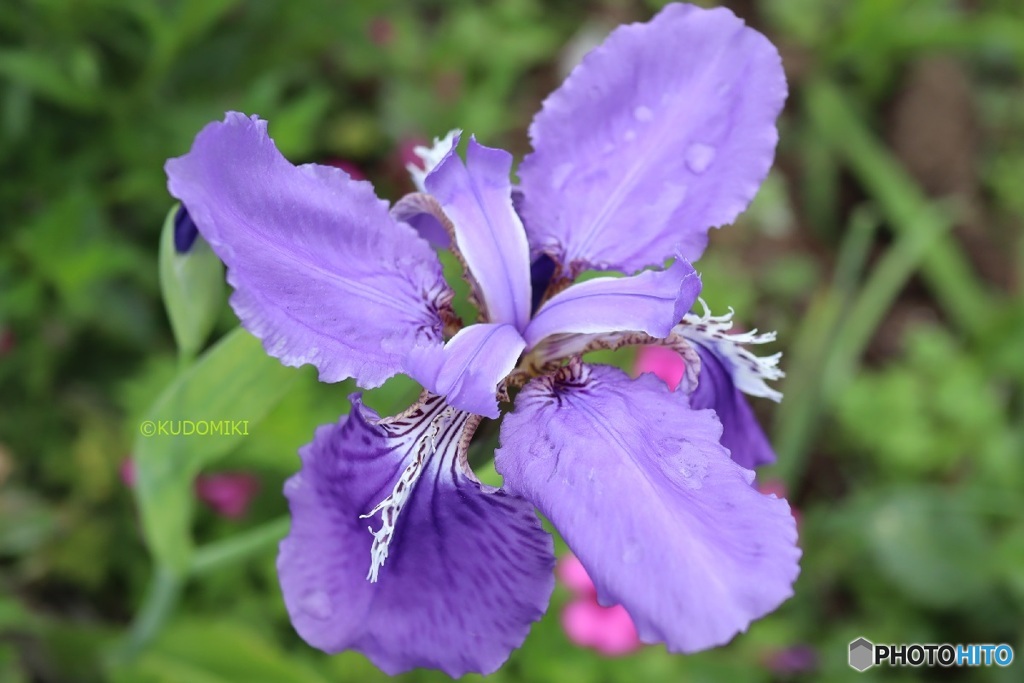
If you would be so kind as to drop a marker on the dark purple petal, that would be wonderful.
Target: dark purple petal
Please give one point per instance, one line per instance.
(322, 274)
(185, 231)
(651, 302)
(665, 130)
(645, 496)
(477, 197)
(541, 271)
(468, 568)
(470, 367)
(741, 432)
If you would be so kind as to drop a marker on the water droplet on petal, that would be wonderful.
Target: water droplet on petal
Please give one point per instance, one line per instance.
(643, 114)
(561, 175)
(693, 471)
(699, 156)
(317, 604)
(632, 553)
(630, 135)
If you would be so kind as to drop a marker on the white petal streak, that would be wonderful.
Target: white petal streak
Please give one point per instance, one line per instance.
(422, 431)
(431, 157)
(749, 372)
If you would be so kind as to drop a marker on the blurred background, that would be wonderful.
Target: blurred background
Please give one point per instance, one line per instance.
(885, 248)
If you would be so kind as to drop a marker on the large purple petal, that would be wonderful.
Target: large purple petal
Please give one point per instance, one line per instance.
(741, 432)
(641, 490)
(468, 567)
(322, 274)
(477, 196)
(652, 302)
(665, 130)
(470, 367)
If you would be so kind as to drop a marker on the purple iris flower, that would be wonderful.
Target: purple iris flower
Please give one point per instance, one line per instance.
(396, 549)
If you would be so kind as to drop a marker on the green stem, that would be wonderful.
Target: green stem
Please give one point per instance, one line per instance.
(158, 605)
(956, 287)
(238, 547)
(797, 417)
(165, 586)
(879, 292)
(826, 377)
(835, 337)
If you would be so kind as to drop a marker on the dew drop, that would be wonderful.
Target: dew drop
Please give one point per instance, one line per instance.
(317, 604)
(693, 471)
(630, 135)
(643, 114)
(699, 156)
(632, 553)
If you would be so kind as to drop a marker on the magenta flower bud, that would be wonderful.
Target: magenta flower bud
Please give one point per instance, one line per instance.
(227, 493)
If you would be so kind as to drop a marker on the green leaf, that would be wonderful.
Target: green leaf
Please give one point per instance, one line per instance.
(930, 545)
(14, 616)
(218, 651)
(193, 288)
(961, 293)
(48, 78)
(225, 393)
(26, 521)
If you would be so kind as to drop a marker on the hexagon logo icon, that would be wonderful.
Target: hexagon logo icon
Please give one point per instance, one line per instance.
(862, 654)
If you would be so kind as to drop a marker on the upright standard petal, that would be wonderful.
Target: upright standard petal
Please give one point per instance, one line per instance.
(468, 567)
(645, 496)
(322, 274)
(651, 302)
(467, 371)
(477, 196)
(665, 130)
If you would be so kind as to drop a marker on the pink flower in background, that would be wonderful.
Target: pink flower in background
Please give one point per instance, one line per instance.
(792, 660)
(407, 152)
(226, 493)
(381, 31)
(779, 489)
(663, 362)
(127, 472)
(6, 341)
(609, 630)
(347, 166)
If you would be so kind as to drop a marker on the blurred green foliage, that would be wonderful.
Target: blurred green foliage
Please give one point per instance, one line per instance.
(889, 261)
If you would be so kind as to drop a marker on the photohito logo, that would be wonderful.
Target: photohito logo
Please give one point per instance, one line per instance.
(864, 654)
